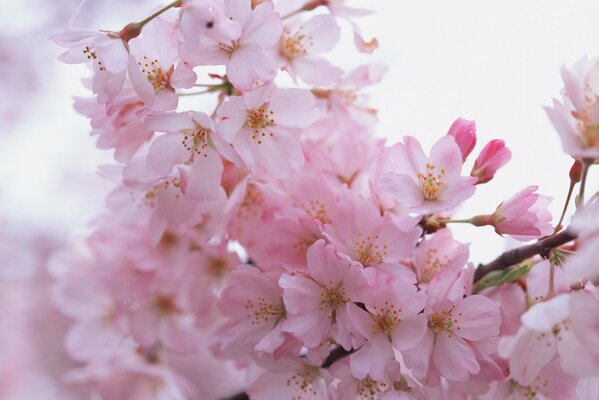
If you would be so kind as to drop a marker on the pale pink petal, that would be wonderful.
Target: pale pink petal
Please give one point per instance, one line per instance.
(165, 152)
(316, 70)
(182, 77)
(478, 317)
(453, 357)
(249, 65)
(300, 294)
(323, 31)
(409, 332)
(264, 28)
(311, 327)
(205, 176)
(293, 108)
(372, 359)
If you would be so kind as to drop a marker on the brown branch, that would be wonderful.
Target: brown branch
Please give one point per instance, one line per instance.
(335, 355)
(515, 256)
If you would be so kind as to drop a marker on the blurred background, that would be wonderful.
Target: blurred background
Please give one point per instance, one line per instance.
(494, 62)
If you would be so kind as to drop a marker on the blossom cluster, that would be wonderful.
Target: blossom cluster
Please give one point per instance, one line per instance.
(274, 248)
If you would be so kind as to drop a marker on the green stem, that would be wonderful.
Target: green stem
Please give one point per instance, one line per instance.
(561, 218)
(551, 279)
(195, 93)
(586, 164)
(175, 3)
(299, 10)
(456, 221)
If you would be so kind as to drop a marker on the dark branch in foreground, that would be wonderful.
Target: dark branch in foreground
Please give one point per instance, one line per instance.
(515, 256)
(337, 354)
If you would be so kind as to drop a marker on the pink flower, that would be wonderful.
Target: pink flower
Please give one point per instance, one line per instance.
(464, 133)
(524, 216)
(454, 321)
(393, 321)
(117, 125)
(428, 184)
(300, 44)
(154, 66)
(104, 50)
(190, 137)
(567, 325)
(261, 125)
(253, 303)
(161, 314)
(359, 231)
(492, 157)
(240, 42)
(576, 119)
(290, 379)
(350, 387)
(324, 296)
(551, 383)
(437, 253)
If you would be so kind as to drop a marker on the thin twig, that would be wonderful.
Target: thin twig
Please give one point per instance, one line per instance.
(515, 256)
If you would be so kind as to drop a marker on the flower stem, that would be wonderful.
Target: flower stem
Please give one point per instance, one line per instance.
(456, 221)
(175, 3)
(568, 197)
(551, 278)
(196, 93)
(586, 164)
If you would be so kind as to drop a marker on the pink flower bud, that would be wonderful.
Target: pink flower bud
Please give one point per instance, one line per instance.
(492, 157)
(464, 133)
(524, 216)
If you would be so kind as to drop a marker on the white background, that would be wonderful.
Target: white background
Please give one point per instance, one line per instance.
(496, 62)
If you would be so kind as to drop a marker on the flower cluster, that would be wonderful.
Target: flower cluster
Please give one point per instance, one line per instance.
(273, 248)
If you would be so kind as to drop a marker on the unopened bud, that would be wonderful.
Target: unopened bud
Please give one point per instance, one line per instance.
(130, 31)
(464, 133)
(576, 172)
(492, 157)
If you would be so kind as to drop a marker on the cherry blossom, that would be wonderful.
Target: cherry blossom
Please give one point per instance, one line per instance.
(240, 43)
(325, 296)
(106, 53)
(428, 184)
(523, 216)
(575, 118)
(155, 69)
(261, 125)
(464, 132)
(492, 157)
(300, 44)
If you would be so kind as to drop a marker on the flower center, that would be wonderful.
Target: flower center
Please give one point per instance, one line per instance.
(296, 43)
(385, 318)
(150, 195)
(369, 389)
(368, 252)
(91, 55)
(252, 203)
(229, 47)
(332, 297)
(152, 69)
(537, 388)
(217, 267)
(317, 210)
(261, 311)
(196, 141)
(433, 263)
(259, 121)
(431, 182)
(304, 379)
(443, 321)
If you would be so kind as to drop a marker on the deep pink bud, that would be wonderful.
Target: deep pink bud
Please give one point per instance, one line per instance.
(464, 132)
(492, 157)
